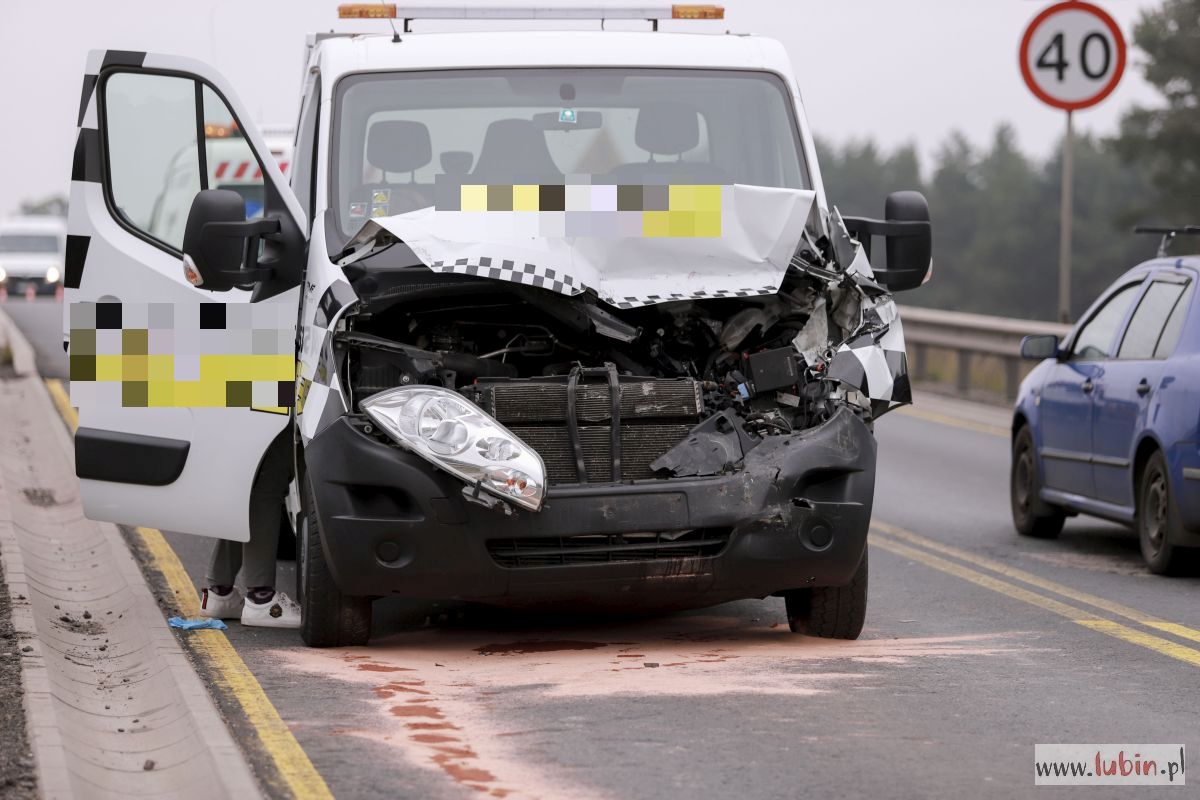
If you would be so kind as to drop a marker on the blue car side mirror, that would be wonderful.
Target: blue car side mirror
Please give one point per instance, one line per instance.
(1039, 347)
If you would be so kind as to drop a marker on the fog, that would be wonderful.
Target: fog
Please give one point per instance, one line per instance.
(894, 72)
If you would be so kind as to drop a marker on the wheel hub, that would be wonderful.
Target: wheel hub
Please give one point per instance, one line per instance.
(1156, 511)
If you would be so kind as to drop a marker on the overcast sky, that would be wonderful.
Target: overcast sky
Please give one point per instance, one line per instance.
(893, 70)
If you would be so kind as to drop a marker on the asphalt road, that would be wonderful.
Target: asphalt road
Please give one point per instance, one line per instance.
(978, 645)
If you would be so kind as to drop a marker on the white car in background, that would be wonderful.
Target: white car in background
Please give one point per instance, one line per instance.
(31, 253)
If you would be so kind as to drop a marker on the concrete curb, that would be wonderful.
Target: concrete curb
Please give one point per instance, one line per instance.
(24, 362)
(114, 707)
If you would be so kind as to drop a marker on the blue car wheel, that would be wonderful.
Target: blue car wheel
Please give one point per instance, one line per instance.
(1031, 516)
(1158, 523)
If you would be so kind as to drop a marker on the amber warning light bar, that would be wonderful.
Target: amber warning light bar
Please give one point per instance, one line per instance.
(655, 12)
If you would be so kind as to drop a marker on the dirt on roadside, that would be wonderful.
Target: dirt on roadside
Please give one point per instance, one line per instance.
(17, 781)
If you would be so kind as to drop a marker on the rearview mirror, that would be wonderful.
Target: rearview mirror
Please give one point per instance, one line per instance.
(568, 120)
(908, 234)
(1039, 347)
(220, 246)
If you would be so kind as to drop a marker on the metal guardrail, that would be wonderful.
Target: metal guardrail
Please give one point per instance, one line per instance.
(974, 354)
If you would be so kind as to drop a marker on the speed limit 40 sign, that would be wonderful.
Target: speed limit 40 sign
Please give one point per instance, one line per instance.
(1072, 55)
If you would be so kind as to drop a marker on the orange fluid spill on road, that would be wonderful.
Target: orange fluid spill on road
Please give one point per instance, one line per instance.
(382, 668)
(432, 738)
(523, 648)
(417, 711)
(469, 712)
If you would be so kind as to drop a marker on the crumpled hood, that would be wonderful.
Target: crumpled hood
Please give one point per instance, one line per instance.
(744, 251)
(713, 241)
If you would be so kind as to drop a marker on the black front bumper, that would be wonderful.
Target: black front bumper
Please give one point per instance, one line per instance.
(796, 515)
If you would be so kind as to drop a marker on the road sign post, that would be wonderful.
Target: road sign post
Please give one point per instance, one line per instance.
(1072, 56)
(1066, 218)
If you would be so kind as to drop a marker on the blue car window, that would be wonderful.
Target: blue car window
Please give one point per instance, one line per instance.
(1146, 326)
(1095, 339)
(1174, 327)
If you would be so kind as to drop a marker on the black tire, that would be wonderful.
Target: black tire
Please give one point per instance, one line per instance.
(1031, 515)
(831, 612)
(1158, 524)
(328, 618)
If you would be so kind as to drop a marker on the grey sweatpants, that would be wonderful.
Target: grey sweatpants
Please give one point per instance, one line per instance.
(255, 559)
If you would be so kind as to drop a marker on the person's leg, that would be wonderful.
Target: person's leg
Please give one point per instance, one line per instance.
(266, 504)
(218, 597)
(223, 564)
(264, 605)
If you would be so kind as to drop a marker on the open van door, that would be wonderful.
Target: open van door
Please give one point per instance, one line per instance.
(183, 380)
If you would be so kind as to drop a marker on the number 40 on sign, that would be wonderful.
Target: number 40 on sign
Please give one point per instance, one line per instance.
(1072, 55)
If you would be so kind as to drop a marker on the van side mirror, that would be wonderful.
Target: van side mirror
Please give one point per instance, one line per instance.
(1039, 347)
(908, 235)
(220, 246)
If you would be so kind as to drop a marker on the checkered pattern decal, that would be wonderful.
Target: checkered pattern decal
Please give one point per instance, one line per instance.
(597, 210)
(505, 270)
(546, 278)
(873, 361)
(162, 355)
(651, 299)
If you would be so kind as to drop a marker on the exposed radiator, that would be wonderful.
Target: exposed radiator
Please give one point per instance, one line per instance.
(519, 401)
(640, 444)
(654, 415)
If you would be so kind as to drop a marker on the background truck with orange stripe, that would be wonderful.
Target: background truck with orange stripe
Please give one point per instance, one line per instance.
(230, 165)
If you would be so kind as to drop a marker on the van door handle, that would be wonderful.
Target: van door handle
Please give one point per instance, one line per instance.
(1088, 386)
(1143, 388)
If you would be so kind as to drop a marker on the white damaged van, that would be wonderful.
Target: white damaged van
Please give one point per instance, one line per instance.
(542, 317)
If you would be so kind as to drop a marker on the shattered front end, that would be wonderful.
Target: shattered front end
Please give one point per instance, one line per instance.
(671, 421)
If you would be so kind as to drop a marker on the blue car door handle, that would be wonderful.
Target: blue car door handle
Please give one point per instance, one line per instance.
(1088, 386)
(1143, 388)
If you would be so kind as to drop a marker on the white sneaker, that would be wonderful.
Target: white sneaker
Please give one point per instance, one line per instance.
(217, 606)
(280, 611)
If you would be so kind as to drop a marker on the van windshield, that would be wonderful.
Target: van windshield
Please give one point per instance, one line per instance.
(401, 139)
(28, 243)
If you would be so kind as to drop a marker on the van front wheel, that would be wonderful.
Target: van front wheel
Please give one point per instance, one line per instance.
(831, 612)
(328, 618)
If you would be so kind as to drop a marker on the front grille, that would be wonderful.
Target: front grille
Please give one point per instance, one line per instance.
(607, 548)
(654, 416)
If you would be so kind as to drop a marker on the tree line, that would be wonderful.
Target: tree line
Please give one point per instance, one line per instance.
(995, 209)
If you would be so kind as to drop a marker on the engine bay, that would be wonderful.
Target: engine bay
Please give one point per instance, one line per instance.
(754, 367)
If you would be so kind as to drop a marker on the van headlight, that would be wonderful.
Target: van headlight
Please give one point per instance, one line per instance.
(451, 433)
(3, 274)
(52, 275)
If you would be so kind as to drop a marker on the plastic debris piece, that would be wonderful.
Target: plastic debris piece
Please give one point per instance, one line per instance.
(193, 624)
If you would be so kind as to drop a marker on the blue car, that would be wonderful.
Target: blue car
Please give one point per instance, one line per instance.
(1109, 423)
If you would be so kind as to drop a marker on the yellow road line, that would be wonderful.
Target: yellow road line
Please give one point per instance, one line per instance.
(230, 673)
(955, 422)
(63, 403)
(233, 678)
(1111, 607)
(1079, 616)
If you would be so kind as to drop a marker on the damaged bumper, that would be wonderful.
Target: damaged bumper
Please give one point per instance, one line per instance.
(794, 515)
